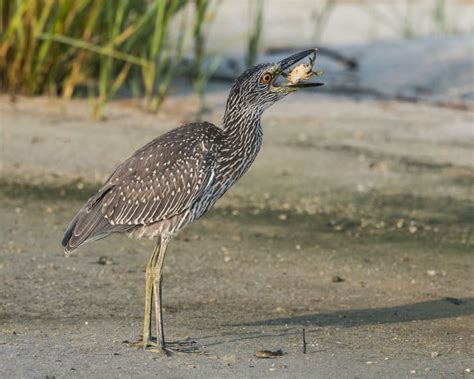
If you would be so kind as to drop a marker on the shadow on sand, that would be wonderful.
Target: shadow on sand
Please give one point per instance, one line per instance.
(427, 310)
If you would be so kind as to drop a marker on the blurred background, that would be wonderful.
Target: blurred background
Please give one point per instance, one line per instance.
(143, 49)
(355, 222)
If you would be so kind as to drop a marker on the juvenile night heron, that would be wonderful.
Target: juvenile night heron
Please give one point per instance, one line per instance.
(177, 178)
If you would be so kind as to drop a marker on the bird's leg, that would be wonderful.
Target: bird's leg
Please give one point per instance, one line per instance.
(157, 295)
(153, 294)
(149, 295)
(157, 292)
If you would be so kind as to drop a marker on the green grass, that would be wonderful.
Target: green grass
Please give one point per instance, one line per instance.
(204, 63)
(78, 47)
(255, 36)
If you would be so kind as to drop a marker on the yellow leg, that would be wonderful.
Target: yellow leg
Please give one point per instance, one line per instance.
(153, 295)
(157, 293)
(149, 295)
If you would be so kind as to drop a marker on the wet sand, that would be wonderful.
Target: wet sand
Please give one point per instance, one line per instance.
(355, 223)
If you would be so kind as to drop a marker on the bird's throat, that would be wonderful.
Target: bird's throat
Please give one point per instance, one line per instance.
(241, 144)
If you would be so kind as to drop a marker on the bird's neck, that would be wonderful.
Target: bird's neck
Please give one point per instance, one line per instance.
(242, 129)
(242, 139)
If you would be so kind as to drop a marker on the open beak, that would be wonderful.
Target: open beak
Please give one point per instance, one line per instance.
(287, 63)
(291, 60)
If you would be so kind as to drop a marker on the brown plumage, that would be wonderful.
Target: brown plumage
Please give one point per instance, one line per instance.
(159, 181)
(177, 178)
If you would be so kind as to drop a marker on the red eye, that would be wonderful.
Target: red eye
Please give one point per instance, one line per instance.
(266, 78)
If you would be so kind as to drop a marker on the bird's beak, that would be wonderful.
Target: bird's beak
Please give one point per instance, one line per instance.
(293, 59)
(286, 64)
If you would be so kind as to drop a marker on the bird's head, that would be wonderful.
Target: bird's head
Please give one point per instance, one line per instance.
(265, 84)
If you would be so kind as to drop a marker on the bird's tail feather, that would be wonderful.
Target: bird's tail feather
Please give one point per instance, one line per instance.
(85, 226)
(89, 224)
(68, 233)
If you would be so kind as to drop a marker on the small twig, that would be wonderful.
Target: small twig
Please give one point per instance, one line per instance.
(304, 341)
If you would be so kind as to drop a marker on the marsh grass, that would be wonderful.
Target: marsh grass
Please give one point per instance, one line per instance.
(204, 63)
(94, 47)
(255, 35)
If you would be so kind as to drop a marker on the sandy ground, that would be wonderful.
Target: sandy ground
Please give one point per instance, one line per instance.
(355, 223)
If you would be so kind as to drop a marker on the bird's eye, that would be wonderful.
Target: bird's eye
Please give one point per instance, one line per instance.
(266, 78)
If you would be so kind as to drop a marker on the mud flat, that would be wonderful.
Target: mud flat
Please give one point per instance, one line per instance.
(355, 223)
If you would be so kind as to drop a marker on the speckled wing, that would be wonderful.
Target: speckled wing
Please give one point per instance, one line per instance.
(164, 178)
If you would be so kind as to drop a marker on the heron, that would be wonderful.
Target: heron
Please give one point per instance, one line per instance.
(176, 178)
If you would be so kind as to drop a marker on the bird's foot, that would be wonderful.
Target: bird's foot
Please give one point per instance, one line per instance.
(184, 346)
(141, 344)
(159, 349)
